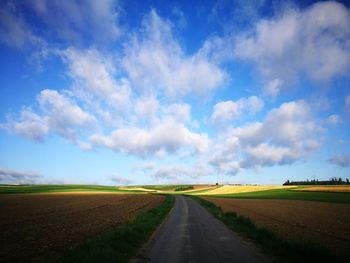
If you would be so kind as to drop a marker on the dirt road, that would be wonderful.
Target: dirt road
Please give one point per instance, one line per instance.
(191, 234)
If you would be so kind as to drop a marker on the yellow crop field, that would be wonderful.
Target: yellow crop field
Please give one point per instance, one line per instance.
(328, 188)
(235, 189)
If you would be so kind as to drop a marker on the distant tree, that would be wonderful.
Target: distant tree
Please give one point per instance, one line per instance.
(347, 180)
(287, 182)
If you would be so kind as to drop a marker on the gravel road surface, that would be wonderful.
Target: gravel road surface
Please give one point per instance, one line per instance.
(192, 234)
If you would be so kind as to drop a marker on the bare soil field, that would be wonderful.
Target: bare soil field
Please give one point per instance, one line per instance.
(324, 224)
(39, 227)
(330, 188)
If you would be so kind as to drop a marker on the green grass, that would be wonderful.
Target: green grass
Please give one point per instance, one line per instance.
(18, 189)
(123, 242)
(280, 250)
(184, 188)
(291, 195)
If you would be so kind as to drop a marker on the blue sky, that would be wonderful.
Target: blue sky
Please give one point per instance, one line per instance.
(142, 92)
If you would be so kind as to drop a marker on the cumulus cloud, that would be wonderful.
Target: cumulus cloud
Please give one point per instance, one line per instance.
(59, 115)
(287, 134)
(229, 110)
(18, 177)
(154, 60)
(94, 74)
(342, 160)
(146, 107)
(288, 47)
(163, 138)
(31, 126)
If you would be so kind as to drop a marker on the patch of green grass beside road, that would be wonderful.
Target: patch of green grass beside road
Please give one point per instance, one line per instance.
(123, 242)
(289, 194)
(280, 250)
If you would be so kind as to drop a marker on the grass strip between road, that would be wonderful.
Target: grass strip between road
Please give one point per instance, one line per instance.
(123, 242)
(281, 250)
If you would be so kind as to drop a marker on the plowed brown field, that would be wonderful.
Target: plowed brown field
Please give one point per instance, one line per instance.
(324, 224)
(38, 227)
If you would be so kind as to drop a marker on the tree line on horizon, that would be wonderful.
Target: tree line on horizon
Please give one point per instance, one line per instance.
(332, 181)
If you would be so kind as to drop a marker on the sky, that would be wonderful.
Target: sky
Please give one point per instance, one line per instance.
(156, 92)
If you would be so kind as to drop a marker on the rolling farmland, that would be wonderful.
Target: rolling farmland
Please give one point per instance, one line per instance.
(42, 226)
(45, 221)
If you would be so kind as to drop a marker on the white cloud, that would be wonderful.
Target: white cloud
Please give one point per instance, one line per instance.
(18, 177)
(267, 154)
(31, 126)
(180, 112)
(308, 43)
(146, 107)
(63, 114)
(163, 138)
(333, 119)
(73, 20)
(342, 160)
(225, 111)
(287, 134)
(273, 87)
(59, 115)
(228, 110)
(94, 74)
(155, 61)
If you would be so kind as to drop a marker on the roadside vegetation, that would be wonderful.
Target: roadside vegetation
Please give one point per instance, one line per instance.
(281, 250)
(123, 242)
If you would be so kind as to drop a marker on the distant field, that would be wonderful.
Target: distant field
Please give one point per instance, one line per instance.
(323, 224)
(233, 189)
(325, 188)
(291, 194)
(39, 227)
(17, 189)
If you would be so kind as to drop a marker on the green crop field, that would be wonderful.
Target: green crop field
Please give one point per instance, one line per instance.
(292, 195)
(21, 189)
